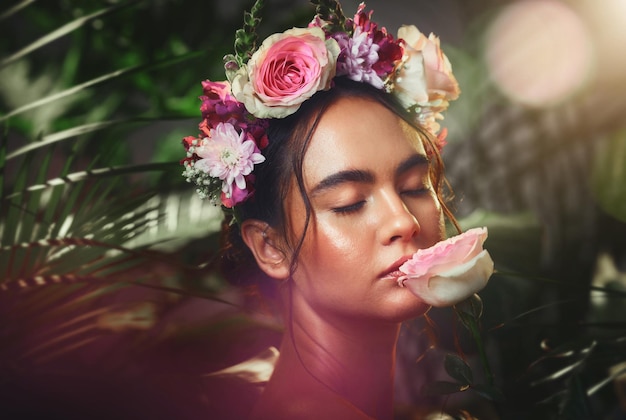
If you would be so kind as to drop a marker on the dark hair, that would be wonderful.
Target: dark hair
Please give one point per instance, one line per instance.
(289, 139)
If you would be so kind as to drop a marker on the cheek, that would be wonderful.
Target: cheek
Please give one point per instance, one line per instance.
(328, 244)
(430, 217)
(327, 263)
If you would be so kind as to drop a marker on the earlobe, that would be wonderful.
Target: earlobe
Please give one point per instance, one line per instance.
(263, 242)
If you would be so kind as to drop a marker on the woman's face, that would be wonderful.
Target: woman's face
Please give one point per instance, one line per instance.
(367, 176)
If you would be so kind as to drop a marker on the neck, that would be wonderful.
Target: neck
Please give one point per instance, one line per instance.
(354, 359)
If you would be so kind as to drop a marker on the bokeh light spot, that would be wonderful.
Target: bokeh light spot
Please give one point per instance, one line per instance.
(538, 52)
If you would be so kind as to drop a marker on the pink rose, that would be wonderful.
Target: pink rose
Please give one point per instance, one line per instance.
(285, 71)
(425, 76)
(451, 270)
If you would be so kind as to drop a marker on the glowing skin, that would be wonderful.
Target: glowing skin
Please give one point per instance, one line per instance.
(367, 177)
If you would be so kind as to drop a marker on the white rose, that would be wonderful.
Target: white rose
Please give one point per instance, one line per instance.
(425, 76)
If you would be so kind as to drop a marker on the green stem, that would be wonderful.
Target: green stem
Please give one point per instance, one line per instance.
(473, 325)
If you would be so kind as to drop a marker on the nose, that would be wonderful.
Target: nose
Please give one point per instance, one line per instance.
(397, 221)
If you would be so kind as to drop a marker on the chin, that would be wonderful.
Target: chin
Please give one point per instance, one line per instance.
(408, 308)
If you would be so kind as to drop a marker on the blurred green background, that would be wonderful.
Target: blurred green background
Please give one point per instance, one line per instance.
(111, 303)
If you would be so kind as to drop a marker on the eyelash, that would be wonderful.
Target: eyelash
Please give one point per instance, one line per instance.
(352, 208)
(417, 192)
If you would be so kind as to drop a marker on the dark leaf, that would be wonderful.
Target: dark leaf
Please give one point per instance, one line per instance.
(246, 37)
(458, 369)
(472, 306)
(60, 32)
(579, 348)
(331, 12)
(99, 172)
(575, 405)
(53, 138)
(14, 9)
(97, 81)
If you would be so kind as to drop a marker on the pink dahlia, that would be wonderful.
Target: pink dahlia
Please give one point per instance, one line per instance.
(229, 156)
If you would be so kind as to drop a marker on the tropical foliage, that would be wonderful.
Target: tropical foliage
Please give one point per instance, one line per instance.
(111, 302)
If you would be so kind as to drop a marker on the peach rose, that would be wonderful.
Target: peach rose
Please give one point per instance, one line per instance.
(425, 75)
(451, 270)
(286, 70)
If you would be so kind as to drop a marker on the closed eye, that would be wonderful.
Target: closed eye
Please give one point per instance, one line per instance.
(417, 192)
(352, 208)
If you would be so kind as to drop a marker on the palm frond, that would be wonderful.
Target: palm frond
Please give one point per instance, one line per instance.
(94, 252)
(97, 81)
(14, 9)
(60, 32)
(50, 139)
(93, 173)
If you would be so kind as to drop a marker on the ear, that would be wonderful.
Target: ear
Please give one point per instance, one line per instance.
(264, 242)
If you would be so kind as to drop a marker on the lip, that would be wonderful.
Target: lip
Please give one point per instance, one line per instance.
(393, 272)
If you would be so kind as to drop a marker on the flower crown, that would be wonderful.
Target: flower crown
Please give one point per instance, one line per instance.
(287, 69)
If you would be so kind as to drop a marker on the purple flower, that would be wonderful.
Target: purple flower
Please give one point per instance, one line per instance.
(370, 54)
(358, 56)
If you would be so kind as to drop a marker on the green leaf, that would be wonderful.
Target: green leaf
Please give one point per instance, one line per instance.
(3, 152)
(578, 348)
(29, 223)
(97, 81)
(458, 369)
(246, 37)
(472, 306)
(570, 368)
(98, 172)
(53, 138)
(13, 10)
(575, 405)
(13, 211)
(60, 32)
(615, 372)
(330, 11)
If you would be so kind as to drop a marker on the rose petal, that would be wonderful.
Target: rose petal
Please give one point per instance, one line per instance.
(454, 285)
(286, 70)
(446, 254)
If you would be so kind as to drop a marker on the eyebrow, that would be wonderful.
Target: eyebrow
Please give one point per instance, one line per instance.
(365, 177)
(342, 177)
(411, 162)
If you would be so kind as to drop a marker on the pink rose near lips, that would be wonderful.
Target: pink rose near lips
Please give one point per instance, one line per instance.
(450, 271)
